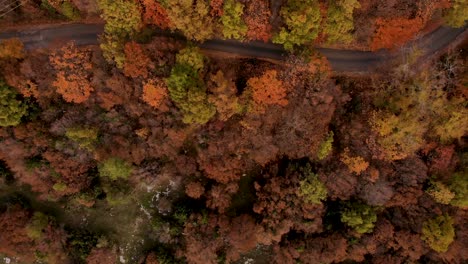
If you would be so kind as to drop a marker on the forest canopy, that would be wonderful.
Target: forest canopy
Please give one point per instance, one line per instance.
(216, 131)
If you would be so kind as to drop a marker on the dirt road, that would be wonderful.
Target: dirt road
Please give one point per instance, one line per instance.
(340, 60)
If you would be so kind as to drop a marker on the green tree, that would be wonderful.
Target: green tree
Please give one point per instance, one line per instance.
(459, 186)
(457, 15)
(325, 147)
(123, 19)
(191, 17)
(233, 25)
(11, 109)
(191, 57)
(85, 137)
(186, 88)
(438, 233)
(115, 168)
(340, 20)
(312, 189)
(302, 19)
(361, 217)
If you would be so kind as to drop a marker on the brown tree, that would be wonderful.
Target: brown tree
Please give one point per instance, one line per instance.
(257, 17)
(194, 190)
(11, 49)
(136, 61)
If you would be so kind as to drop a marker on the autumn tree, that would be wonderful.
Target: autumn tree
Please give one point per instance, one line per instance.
(86, 138)
(394, 32)
(155, 14)
(186, 88)
(459, 186)
(194, 190)
(216, 8)
(360, 217)
(233, 25)
(73, 69)
(257, 18)
(267, 90)
(302, 21)
(457, 15)
(136, 61)
(340, 24)
(440, 192)
(311, 188)
(69, 11)
(399, 135)
(115, 168)
(289, 200)
(438, 232)
(224, 97)
(355, 164)
(11, 108)
(192, 18)
(11, 49)
(123, 19)
(325, 147)
(154, 93)
(417, 97)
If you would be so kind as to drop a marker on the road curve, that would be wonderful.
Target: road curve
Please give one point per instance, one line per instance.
(340, 60)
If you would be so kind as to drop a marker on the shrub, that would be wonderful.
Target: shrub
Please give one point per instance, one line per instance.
(325, 147)
(440, 192)
(459, 186)
(312, 189)
(11, 109)
(438, 233)
(361, 217)
(233, 25)
(115, 168)
(86, 138)
(302, 19)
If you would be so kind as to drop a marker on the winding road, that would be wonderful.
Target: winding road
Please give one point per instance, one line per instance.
(340, 60)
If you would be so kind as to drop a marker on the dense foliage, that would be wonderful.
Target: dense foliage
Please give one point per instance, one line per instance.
(11, 108)
(438, 232)
(152, 150)
(302, 22)
(186, 88)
